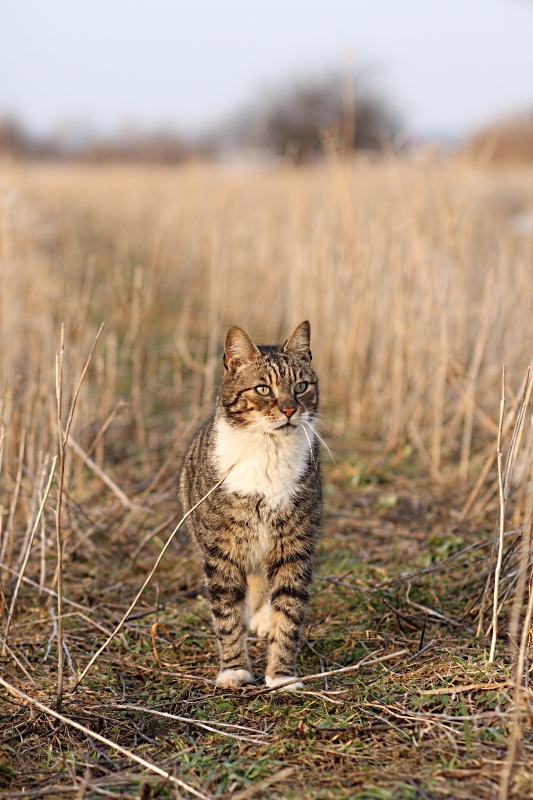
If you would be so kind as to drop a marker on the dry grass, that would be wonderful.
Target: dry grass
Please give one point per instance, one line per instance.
(508, 142)
(418, 284)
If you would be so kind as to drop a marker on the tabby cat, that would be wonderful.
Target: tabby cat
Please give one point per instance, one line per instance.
(256, 533)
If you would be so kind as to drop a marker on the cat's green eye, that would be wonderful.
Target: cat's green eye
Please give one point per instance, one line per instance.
(300, 387)
(263, 390)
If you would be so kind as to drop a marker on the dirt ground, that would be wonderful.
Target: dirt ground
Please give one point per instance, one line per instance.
(419, 713)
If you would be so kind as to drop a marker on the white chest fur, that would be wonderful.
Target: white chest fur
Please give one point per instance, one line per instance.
(267, 465)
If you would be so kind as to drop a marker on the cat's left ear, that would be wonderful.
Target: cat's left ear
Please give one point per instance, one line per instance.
(299, 342)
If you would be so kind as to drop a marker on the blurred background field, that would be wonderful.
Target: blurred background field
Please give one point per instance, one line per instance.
(416, 276)
(394, 210)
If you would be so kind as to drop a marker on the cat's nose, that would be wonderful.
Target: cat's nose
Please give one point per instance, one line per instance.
(288, 411)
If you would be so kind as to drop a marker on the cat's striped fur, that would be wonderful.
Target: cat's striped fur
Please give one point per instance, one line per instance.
(256, 534)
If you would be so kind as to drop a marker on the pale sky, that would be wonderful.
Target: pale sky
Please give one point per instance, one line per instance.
(449, 66)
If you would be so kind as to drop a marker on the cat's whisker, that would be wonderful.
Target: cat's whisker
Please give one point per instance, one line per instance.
(325, 445)
(309, 443)
(348, 428)
(330, 430)
(328, 425)
(322, 418)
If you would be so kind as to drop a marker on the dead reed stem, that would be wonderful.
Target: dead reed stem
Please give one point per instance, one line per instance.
(108, 742)
(472, 377)
(340, 670)
(28, 550)
(104, 477)
(7, 539)
(147, 581)
(214, 726)
(59, 539)
(501, 526)
(504, 483)
(63, 436)
(520, 654)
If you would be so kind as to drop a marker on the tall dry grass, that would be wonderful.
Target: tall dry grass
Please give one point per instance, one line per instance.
(417, 286)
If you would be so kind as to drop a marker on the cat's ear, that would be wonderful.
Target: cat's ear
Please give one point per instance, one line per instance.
(299, 342)
(239, 348)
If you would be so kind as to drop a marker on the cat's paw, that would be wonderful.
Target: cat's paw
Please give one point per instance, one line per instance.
(279, 683)
(233, 678)
(260, 622)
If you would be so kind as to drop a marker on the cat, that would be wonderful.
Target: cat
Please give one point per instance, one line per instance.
(256, 534)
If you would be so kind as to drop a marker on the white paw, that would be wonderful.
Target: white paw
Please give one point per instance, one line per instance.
(274, 683)
(260, 622)
(233, 678)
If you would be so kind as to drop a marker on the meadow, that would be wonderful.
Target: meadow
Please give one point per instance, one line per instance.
(417, 277)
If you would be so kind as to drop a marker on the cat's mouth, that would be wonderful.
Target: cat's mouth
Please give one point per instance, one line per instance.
(285, 426)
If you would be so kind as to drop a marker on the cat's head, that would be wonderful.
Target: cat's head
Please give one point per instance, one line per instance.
(269, 389)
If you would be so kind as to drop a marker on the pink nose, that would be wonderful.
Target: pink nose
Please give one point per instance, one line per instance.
(288, 412)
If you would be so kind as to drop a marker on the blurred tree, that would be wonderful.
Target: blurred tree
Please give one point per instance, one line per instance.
(16, 143)
(13, 140)
(299, 122)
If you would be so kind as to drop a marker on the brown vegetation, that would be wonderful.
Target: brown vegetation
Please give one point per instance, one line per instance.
(419, 288)
(508, 142)
(150, 148)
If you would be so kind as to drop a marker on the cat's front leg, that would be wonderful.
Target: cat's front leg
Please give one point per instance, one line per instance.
(226, 589)
(289, 578)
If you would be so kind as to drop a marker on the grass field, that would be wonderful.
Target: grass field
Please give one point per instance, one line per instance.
(418, 281)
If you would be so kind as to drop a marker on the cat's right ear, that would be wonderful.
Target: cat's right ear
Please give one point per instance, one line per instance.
(238, 349)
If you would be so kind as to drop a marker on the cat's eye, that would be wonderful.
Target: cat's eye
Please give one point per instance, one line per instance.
(263, 390)
(300, 387)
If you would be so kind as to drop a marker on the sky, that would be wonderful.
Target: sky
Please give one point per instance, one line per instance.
(448, 66)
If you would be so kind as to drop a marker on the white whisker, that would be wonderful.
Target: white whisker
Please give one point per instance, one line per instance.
(325, 445)
(329, 421)
(309, 443)
(337, 436)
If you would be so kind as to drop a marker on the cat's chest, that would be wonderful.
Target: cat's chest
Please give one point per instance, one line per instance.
(268, 466)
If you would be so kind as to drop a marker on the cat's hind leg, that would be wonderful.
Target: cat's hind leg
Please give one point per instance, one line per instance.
(259, 605)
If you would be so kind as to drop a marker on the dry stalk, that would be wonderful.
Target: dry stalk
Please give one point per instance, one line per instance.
(501, 526)
(213, 726)
(124, 499)
(147, 580)
(440, 390)
(261, 788)
(526, 393)
(472, 376)
(477, 488)
(35, 499)
(107, 422)
(340, 671)
(28, 550)
(8, 533)
(59, 541)
(146, 538)
(504, 482)
(516, 733)
(45, 589)
(108, 742)
(517, 434)
(63, 436)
